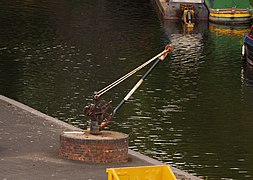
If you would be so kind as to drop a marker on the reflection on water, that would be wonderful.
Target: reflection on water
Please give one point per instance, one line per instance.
(227, 30)
(247, 75)
(194, 110)
(188, 43)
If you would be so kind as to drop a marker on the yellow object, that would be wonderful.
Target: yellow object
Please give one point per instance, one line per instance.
(230, 15)
(187, 22)
(141, 173)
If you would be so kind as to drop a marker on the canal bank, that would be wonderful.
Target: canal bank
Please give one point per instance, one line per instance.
(30, 143)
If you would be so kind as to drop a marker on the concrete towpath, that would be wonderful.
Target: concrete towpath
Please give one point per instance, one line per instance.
(29, 143)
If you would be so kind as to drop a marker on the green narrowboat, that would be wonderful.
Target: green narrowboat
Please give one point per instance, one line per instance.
(229, 11)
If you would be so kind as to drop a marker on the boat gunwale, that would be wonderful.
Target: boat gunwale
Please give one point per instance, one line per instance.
(230, 11)
(230, 15)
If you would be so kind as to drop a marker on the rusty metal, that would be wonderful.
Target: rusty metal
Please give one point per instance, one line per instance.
(100, 113)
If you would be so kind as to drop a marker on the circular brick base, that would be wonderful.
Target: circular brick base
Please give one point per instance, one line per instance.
(107, 147)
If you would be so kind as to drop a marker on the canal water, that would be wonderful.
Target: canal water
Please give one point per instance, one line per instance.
(193, 112)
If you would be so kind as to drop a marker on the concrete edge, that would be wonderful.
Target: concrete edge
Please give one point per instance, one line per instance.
(156, 162)
(145, 158)
(37, 113)
(71, 127)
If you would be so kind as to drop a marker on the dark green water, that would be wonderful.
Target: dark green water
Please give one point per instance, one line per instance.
(193, 112)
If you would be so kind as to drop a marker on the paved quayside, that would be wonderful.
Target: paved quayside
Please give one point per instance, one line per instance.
(29, 145)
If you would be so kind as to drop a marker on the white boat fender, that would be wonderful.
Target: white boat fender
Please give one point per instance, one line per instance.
(243, 50)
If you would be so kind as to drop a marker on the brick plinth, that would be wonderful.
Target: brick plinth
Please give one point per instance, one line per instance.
(107, 147)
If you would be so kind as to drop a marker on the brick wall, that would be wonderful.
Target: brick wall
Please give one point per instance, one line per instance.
(94, 150)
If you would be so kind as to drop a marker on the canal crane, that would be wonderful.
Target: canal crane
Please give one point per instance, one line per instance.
(100, 112)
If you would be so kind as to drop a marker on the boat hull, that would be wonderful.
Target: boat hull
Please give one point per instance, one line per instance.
(248, 46)
(173, 9)
(249, 55)
(230, 16)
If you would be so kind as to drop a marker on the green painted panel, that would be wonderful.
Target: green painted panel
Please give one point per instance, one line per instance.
(222, 4)
(209, 4)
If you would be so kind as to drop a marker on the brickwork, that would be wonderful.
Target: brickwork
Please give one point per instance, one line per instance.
(94, 149)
